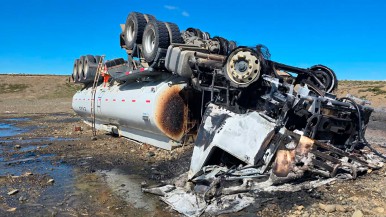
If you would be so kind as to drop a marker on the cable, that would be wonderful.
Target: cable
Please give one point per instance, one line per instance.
(361, 136)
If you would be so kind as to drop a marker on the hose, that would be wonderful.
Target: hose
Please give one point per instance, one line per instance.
(361, 136)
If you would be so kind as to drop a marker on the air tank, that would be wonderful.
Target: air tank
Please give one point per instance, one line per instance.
(152, 112)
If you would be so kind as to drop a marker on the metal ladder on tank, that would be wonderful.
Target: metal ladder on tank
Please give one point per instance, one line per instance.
(100, 68)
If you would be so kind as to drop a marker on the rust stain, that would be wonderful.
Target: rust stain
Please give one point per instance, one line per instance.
(171, 114)
(305, 145)
(284, 162)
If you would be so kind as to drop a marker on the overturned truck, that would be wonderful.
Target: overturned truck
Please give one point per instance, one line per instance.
(239, 108)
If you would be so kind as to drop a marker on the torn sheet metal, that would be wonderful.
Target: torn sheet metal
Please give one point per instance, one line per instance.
(240, 135)
(192, 205)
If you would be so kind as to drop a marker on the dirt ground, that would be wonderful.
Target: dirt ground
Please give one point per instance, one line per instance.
(47, 168)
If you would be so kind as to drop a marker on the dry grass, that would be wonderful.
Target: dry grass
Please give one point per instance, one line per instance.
(374, 91)
(12, 88)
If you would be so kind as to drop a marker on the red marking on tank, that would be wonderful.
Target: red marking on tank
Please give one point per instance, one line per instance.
(99, 99)
(142, 69)
(127, 73)
(114, 100)
(133, 100)
(147, 101)
(107, 100)
(84, 99)
(123, 100)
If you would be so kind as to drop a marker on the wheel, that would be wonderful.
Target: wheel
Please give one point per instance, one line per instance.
(174, 33)
(74, 75)
(195, 32)
(134, 27)
(206, 35)
(122, 42)
(326, 76)
(89, 66)
(80, 68)
(115, 62)
(231, 46)
(242, 67)
(314, 90)
(97, 59)
(149, 17)
(155, 36)
(224, 44)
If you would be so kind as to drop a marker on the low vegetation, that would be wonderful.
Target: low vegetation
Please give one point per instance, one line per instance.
(65, 90)
(12, 88)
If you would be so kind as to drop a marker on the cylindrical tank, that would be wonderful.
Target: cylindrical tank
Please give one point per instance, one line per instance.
(156, 106)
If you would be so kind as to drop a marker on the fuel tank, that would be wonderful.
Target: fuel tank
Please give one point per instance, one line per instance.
(152, 112)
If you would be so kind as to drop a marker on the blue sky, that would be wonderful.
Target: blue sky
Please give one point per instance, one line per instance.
(45, 36)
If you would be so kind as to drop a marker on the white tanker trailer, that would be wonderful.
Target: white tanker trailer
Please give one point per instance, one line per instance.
(238, 106)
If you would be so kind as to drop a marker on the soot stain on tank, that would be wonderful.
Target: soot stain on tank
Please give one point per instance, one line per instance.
(171, 113)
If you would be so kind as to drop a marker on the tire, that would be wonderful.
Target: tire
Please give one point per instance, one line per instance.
(155, 36)
(224, 44)
(231, 46)
(206, 35)
(97, 59)
(134, 27)
(149, 17)
(327, 76)
(196, 32)
(74, 75)
(80, 68)
(122, 42)
(115, 62)
(174, 33)
(89, 67)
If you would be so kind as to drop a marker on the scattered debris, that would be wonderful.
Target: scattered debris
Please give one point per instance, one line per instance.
(22, 198)
(50, 181)
(28, 174)
(11, 209)
(13, 192)
(150, 154)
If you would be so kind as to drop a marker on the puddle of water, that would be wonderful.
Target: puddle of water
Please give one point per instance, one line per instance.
(128, 187)
(7, 130)
(31, 148)
(17, 119)
(40, 166)
(38, 139)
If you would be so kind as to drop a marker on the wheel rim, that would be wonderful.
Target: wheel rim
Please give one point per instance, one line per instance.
(243, 67)
(326, 76)
(80, 69)
(85, 70)
(149, 41)
(130, 31)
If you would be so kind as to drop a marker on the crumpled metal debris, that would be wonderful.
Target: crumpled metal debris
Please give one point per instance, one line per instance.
(218, 191)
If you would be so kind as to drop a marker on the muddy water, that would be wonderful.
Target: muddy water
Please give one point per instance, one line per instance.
(115, 192)
(9, 130)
